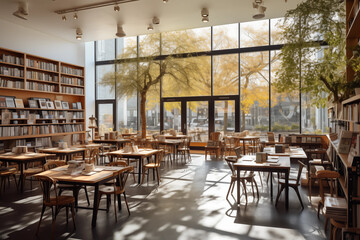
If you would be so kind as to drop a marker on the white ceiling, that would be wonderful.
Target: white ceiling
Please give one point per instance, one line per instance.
(101, 23)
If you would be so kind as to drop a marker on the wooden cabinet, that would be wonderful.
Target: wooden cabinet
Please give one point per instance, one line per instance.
(28, 77)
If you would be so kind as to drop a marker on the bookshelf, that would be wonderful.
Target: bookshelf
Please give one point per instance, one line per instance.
(30, 78)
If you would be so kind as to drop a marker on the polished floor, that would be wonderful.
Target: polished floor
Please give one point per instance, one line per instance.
(190, 203)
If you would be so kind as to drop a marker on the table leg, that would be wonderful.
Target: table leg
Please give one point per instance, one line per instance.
(139, 171)
(287, 190)
(243, 146)
(83, 153)
(271, 186)
(95, 207)
(21, 179)
(238, 185)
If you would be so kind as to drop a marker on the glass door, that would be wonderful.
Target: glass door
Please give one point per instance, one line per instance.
(106, 118)
(172, 116)
(225, 116)
(197, 120)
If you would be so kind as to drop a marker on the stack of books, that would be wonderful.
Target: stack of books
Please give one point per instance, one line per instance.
(336, 208)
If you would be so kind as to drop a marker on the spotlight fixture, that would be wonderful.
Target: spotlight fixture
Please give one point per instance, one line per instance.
(150, 27)
(63, 18)
(78, 34)
(22, 11)
(165, 1)
(120, 31)
(259, 9)
(116, 8)
(205, 15)
(156, 21)
(75, 16)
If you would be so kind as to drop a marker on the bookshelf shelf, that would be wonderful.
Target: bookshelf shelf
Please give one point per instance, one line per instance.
(29, 77)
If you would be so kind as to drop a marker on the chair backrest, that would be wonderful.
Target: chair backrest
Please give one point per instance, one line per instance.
(123, 175)
(159, 157)
(238, 152)
(230, 162)
(188, 141)
(271, 137)
(301, 166)
(46, 184)
(328, 175)
(215, 136)
(53, 164)
(120, 163)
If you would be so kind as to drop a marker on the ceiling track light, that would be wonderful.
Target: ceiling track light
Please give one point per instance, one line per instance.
(120, 31)
(156, 21)
(76, 16)
(78, 34)
(94, 6)
(165, 1)
(63, 18)
(150, 27)
(22, 11)
(205, 15)
(259, 9)
(117, 8)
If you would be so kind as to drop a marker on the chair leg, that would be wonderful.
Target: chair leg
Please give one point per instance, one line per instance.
(158, 175)
(257, 189)
(319, 207)
(244, 185)
(231, 183)
(126, 202)
(143, 176)
(278, 196)
(309, 186)
(67, 214)
(298, 194)
(73, 215)
(53, 225)
(115, 207)
(42, 213)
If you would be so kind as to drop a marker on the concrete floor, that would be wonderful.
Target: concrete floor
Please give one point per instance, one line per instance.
(190, 203)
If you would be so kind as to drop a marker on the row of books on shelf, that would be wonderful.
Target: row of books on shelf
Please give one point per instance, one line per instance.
(31, 118)
(11, 71)
(42, 76)
(72, 90)
(351, 112)
(11, 59)
(42, 65)
(72, 71)
(36, 142)
(43, 103)
(302, 139)
(38, 130)
(72, 80)
(41, 87)
(347, 142)
(11, 83)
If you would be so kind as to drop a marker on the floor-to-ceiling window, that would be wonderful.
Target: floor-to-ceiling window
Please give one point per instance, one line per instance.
(230, 90)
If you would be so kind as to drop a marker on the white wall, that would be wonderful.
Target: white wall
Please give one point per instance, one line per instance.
(90, 80)
(19, 38)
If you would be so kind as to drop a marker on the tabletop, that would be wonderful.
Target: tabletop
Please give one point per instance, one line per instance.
(292, 152)
(248, 161)
(168, 136)
(118, 140)
(24, 156)
(62, 150)
(100, 173)
(141, 153)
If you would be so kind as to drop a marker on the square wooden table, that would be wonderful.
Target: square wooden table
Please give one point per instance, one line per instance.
(104, 175)
(67, 152)
(247, 163)
(22, 159)
(140, 155)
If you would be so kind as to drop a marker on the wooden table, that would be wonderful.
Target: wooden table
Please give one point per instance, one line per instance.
(67, 152)
(128, 134)
(94, 180)
(174, 143)
(119, 142)
(247, 163)
(140, 155)
(168, 136)
(21, 159)
(294, 153)
(244, 139)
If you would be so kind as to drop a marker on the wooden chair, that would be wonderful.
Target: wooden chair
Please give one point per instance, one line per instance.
(184, 149)
(55, 203)
(122, 163)
(271, 137)
(244, 177)
(5, 174)
(214, 145)
(30, 170)
(293, 183)
(116, 189)
(153, 165)
(330, 177)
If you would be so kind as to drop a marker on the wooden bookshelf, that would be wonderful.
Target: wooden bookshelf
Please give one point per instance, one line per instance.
(25, 76)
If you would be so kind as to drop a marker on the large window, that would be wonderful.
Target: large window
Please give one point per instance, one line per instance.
(207, 67)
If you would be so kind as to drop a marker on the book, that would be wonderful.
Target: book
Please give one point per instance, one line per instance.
(33, 104)
(65, 105)
(58, 104)
(5, 117)
(19, 103)
(2, 102)
(345, 141)
(50, 105)
(10, 102)
(42, 103)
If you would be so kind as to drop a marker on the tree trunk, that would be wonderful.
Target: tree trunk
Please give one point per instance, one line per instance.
(143, 114)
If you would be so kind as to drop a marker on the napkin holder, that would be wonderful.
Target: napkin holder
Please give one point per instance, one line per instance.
(261, 157)
(75, 167)
(279, 148)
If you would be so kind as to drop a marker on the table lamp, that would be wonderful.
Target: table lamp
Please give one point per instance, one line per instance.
(92, 125)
